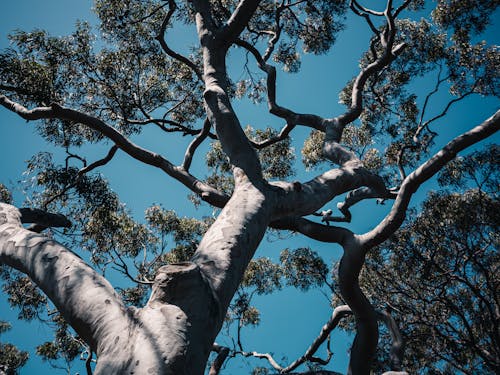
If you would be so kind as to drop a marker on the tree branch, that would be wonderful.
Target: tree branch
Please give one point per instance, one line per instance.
(161, 39)
(188, 157)
(238, 20)
(86, 299)
(337, 315)
(292, 118)
(427, 170)
(206, 192)
(99, 163)
(222, 353)
(316, 231)
(43, 218)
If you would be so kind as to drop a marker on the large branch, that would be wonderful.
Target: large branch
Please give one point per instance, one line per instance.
(218, 106)
(300, 199)
(230, 243)
(87, 301)
(55, 111)
(238, 20)
(427, 170)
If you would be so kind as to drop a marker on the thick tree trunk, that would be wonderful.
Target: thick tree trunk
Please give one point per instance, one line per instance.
(174, 332)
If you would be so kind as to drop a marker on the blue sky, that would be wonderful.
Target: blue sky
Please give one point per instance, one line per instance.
(314, 90)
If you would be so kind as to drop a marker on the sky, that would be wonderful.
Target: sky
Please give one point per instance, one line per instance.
(313, 90)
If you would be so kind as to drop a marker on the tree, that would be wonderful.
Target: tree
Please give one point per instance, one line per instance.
(82, 91)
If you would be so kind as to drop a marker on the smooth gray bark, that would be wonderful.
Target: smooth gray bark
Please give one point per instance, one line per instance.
(174, 332)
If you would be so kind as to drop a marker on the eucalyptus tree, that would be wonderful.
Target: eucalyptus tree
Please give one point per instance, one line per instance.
(83, 90)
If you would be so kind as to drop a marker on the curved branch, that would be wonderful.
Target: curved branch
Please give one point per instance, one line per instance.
(188, 157)
(301, 199)
(283, 134)
(338, 314)
(87, 300)
(55, 111)
(161, 39)
(427, 170)
(99, 163)
(358, 195)
(292, 118)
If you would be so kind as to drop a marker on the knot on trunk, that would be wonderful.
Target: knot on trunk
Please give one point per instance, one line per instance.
(184, 285)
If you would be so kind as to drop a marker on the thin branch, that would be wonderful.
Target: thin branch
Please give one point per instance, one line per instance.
(353, 197)
(363, 9)
(338, 314)
(99, 163)
(161, 39)
(150, 14)
(188, 157)
(126, 272)
(289, 116)
(176, 126)
(283, 134)
(359, 12)
(443, 112)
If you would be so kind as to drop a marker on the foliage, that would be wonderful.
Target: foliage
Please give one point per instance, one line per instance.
(11, 358)
(439, 273)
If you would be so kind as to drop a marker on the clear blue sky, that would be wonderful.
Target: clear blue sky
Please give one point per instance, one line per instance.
(313, 90)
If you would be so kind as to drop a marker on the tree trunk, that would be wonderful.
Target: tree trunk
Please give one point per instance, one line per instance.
(174, 332)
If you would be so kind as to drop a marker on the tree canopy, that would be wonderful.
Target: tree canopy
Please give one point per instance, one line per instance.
(187, 285)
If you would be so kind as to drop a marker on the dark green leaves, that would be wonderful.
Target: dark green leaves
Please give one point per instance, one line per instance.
(65, 344)
(303, 268)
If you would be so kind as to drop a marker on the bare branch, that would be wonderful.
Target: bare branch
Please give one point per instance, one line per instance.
(442, 114)
(188, 157)
(363, 9)
(366, 15)
(161, 39)
(123, 268)
(100, 162)
(316, 231)
(176, 126)
(360, 194)
(337, 315)
(291, 117)
(283, 134)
